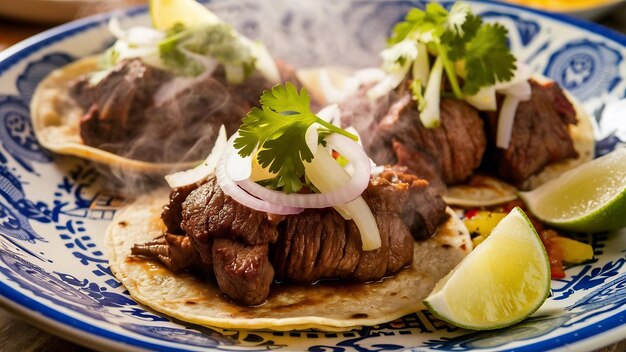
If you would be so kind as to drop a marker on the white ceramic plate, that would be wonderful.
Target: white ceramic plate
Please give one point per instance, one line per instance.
(53, 210)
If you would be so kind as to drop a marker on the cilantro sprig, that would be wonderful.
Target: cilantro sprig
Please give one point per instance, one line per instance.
(218, 41)
(459, 36)
(278, 131)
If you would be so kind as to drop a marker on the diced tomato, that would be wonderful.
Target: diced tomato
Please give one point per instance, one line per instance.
(555, 253)
(471, 213)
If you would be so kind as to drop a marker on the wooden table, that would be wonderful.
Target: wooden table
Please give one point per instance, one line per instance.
(18, 335)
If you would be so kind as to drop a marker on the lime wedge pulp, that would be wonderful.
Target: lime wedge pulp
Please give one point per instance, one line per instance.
(503, 281)
(589, 198)
(166, 13)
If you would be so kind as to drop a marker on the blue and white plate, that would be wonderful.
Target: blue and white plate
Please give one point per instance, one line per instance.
(53, 210)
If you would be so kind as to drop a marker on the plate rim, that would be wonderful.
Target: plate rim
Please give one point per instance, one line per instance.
(86, 334)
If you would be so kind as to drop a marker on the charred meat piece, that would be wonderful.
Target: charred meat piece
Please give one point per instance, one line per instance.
(248, 249)
(451, 151)
(123, 116)
(422, 211)
(186, 124)
(146, 113)
(243, 272)
(176, 252)
(172, 214)
(320, 244)
(208, 213)
(540, 133)
(115, 105)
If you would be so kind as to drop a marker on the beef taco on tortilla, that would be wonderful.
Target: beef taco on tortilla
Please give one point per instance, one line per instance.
(198, 291)
(290, 228)
(459, 110)
(155, 98)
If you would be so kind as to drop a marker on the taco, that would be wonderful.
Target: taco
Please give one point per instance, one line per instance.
(478, 132)
(327, 305)
(155, 99)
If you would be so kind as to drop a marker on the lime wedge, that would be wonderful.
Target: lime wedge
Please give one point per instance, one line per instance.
(166, 13)
(589, 198)
(501, 282)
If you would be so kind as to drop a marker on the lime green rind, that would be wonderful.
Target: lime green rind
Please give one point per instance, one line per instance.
(609, 217)
(523, 316)
(545, 202)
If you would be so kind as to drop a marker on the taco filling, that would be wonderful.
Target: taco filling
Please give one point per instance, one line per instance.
(156, 96)
(247, 250)
(277, 232)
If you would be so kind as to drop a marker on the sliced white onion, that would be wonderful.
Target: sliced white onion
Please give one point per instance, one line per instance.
(331, 93)
(518, 86)
(230, 188)
(421, 65)
(202, 171)
(522, 74)
(505, 121)
(369, 75)
(430, 117)
(366, 223)
(135, 36)
(520, 90)
(312, 137)
(318, 171)
(389, 83)
(359, 181)
(485, 99)
(238, 167)
(330, 113)
(377, 170)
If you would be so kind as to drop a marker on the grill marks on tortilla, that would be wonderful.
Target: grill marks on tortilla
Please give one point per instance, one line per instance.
(248, 250)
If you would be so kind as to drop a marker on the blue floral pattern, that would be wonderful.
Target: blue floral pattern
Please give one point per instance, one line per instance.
(53, 214)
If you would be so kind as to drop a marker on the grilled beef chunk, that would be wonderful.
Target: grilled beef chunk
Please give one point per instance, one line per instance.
(244, 247)
(172, 214)
(115, 105)
(243, 272)
(176, 252)
(123, 117)
(422, 209)
(208, 213)
(540, 133)
(447, 154)
(320, 244)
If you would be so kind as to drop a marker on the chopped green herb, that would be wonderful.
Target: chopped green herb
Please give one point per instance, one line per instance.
(456, 36)
(218, 41)
(279, 128)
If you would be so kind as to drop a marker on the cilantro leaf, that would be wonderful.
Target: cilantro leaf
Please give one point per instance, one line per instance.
(218, 41)
(278, 129)
(488, 59)
(428, 23)
(456, 43)
(458, 36)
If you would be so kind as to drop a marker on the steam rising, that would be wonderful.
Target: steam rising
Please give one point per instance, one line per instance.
(300, 32)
